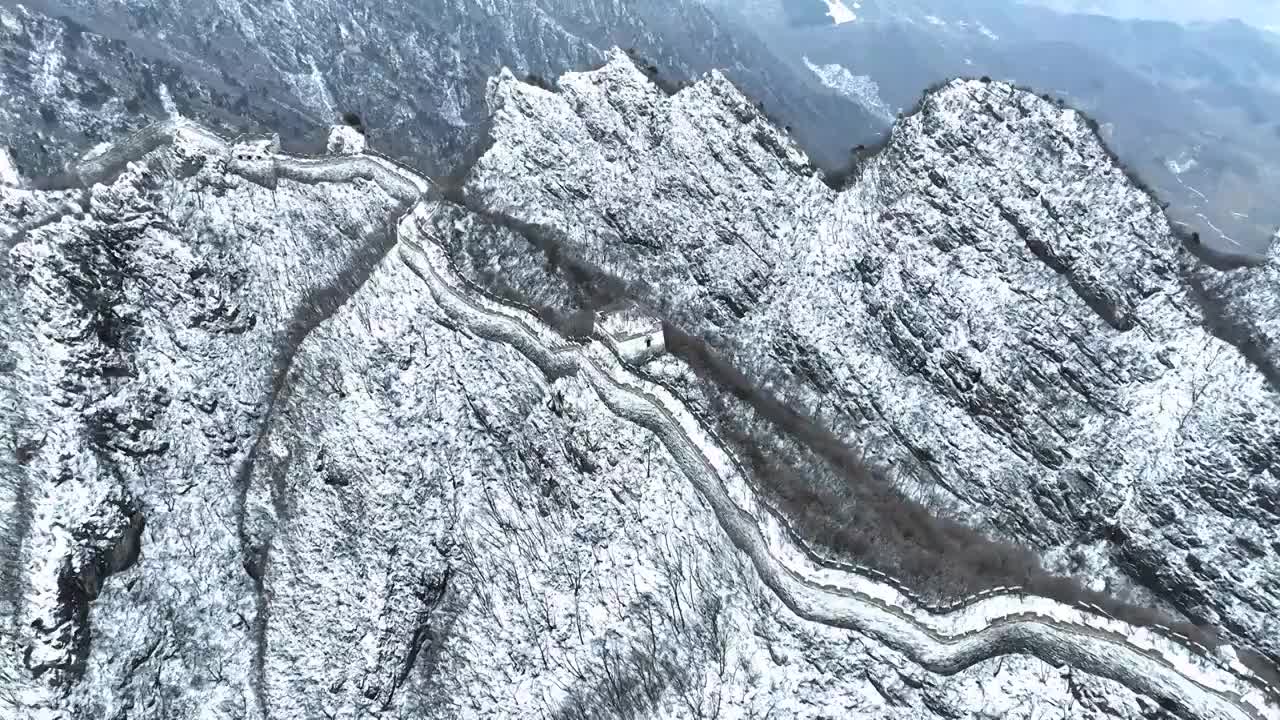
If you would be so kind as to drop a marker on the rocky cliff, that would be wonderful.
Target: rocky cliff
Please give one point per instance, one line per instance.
(275, 455)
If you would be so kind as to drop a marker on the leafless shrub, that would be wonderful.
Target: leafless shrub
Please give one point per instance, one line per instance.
(680, 655)
(628, 683)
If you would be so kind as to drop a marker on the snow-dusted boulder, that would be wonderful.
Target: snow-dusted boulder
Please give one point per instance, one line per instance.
(345, 140)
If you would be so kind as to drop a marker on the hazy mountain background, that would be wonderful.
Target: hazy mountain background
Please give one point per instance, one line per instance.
(1262, 13)
(1194, 107)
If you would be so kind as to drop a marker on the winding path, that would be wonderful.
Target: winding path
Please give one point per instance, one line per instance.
(1152, 661)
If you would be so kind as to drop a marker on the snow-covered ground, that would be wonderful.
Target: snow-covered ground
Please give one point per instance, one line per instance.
(859, 88)
(8, 173)
(1181, 164)
(839, 12)
(968, 620)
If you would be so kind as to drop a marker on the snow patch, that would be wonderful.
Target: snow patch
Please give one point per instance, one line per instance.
(935, 20)
(987, 32)
(345, 140)
(839, 12)
(9, 21)
(321, 95)
(859, 88)
(96, 151)
(48, 79)
(311, 89)
(8, 172)
(1181, 164)
(1192, 189)
(166, 101)
(1215, 228)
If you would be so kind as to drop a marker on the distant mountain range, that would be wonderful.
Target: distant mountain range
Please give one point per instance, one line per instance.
(1194, 108)
(1261, 13)
(77, 72)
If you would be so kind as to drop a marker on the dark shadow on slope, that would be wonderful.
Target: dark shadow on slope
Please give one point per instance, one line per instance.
(1226, 326)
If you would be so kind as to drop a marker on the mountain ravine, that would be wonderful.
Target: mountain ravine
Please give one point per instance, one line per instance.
(276, 454)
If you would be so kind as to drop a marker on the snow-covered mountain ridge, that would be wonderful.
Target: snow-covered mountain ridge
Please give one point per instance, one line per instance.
(991, 303)
(371, 368)
(78, 72)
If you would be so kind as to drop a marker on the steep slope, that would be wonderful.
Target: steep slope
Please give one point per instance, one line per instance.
(156, 318)
(991, 305)
(411, 500)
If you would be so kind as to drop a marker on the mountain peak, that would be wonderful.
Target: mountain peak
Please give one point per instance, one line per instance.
(991, 301)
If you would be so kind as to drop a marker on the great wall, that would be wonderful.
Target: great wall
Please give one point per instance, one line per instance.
(1156, 661)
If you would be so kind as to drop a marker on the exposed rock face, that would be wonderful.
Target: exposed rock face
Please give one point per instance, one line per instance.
(297, 473)
(990, 300)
